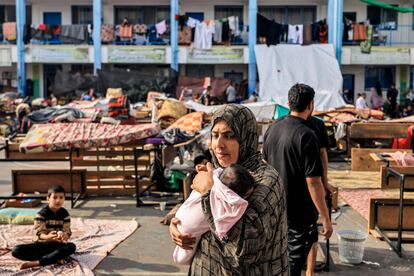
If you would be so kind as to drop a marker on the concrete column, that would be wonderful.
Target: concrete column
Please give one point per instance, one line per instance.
(252, 44)
(335, 17)
(174, 10)
(96, 36)
(21, 65)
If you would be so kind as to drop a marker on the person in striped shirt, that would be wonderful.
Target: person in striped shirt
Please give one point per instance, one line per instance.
(51, 234)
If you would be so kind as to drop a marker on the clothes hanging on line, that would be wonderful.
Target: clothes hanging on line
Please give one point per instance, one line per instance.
(295, 34)
(203, 37)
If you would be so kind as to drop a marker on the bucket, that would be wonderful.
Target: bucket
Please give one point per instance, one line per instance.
(351, 246)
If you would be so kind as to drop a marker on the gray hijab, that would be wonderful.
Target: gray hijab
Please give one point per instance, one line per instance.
(243, 123)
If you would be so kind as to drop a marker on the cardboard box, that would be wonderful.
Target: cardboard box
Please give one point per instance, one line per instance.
(19, 204)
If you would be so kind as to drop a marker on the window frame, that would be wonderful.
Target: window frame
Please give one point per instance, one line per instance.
(378, 75)
(382, 10)
(72, 7)
(241, 21)
(29, 15)
(285, 9)
(141, 11)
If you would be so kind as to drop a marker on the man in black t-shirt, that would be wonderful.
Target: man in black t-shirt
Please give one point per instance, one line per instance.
(318, 126)
(292, 148)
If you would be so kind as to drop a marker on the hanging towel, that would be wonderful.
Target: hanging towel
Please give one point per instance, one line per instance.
(234, 25)
(295, 34)
(9, 31)
(203, 36)
(125, 31)
(192, 23)
(161, 27)
(184, 35)
(140, 28)
(107, 33)
(218, 31)
(307, 34)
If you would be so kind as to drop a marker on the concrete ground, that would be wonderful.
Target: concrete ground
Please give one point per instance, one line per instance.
(148, 251)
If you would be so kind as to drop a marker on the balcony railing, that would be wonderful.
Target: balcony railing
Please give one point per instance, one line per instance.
(387, 35)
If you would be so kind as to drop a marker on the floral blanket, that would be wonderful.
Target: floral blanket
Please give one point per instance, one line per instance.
(51, 137)
(94, 240)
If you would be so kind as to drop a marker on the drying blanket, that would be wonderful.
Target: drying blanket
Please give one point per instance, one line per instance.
(50, 137)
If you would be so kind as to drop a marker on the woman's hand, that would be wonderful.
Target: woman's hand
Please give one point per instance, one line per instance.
(203, 181)
(185, 241)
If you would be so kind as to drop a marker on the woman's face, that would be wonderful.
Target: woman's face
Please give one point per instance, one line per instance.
(224, 144)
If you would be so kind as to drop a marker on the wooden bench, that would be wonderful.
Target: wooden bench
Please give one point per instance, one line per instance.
(37, 182)
(111, 171)
(362, 160)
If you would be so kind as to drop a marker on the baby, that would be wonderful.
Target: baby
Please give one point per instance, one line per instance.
(232, 186)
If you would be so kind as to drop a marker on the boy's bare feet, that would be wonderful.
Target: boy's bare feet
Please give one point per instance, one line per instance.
(29, 265)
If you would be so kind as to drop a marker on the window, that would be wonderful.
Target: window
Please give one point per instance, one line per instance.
(134, 14)
(385, 74)
(227, 11)
(386, 19)
(8, 14)
(290, 15)
(142, 14)
(199, 70)
(82, 15)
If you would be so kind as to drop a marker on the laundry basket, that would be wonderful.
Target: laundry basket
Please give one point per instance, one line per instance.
(351, 246)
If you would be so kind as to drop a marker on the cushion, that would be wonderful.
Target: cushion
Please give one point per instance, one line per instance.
(172, 108)
(17, 215)
(190, 123)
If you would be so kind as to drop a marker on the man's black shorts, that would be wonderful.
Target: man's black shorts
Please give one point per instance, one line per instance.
(300, 241)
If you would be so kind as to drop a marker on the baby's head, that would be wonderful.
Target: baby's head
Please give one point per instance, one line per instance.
(238, 179)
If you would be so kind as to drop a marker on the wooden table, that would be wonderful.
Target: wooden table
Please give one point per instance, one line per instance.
(402, 176)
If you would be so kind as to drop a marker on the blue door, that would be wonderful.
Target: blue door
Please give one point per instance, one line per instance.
(53, 18)
(196, 15)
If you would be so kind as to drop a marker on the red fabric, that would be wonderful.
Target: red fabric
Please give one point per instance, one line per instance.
(42, 27)
(403, 143)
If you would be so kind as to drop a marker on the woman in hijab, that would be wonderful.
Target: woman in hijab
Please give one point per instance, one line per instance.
(257, 244)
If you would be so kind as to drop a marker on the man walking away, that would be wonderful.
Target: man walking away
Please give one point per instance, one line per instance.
(231, 93)
(292, 148)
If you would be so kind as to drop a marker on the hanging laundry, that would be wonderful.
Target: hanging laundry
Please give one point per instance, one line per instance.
(161, 27)
(107, 33)
(203, 36)
(218, 31)
(125, 32)
(307, 34)
(323, 32)
(9, 31)
(140, 28)
(184, 36)
(315, 32)
(244, 35)
(295, 35)
(234, 24)
(192, 23)
(366, 45)
(225, 33)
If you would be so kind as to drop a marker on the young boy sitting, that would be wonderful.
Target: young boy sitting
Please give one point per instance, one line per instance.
(51, 234)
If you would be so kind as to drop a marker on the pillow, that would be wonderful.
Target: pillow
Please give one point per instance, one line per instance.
(17, 215)
(190, 123)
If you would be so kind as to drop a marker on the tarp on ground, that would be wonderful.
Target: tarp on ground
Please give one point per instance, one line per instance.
(196, 84)
(261, 110)
(282, 66)
(135, 84)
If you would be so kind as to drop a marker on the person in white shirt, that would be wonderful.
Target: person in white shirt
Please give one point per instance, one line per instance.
(231, 93)
(361, 102)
